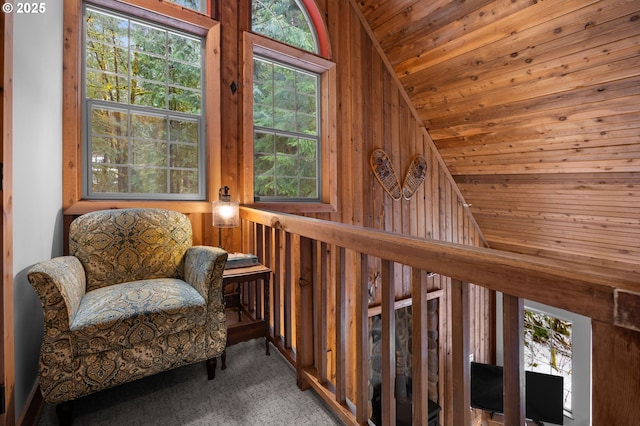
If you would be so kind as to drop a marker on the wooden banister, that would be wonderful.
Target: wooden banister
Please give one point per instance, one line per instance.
(550, 282)
(321, 313)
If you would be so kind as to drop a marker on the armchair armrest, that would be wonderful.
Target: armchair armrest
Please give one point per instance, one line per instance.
(60, 284)
(203, 268)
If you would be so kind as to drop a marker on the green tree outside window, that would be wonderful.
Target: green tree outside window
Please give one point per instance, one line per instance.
(285, 21)
(547, 347)
(198, 5)
(286, 108)
(143, 90)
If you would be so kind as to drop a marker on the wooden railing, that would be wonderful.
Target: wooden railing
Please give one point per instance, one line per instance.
(320, 306)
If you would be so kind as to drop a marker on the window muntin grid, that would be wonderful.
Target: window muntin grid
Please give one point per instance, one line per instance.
(143, 87)
(286, 21)
(287, 151)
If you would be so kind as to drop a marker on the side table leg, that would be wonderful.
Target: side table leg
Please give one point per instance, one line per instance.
(239, 292)
(223, 357)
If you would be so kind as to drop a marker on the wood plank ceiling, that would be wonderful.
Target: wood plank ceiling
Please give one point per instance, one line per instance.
(535, 109)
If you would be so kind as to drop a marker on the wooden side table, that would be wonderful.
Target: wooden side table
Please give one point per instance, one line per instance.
(255, 321)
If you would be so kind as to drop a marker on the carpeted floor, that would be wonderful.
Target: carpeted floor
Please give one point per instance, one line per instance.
(255, 389)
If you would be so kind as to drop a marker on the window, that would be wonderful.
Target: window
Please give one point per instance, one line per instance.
(291, 102)
(284, 20)
(548, 347)
(141, 96)
(578, 382)
(199, 5)
(143, 109)
(286, 137)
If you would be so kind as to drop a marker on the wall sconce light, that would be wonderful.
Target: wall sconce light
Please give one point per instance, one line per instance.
(226, 213)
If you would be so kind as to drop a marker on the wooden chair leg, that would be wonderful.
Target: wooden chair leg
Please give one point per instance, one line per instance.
(224, 360)
(211, 368)
(64, 411)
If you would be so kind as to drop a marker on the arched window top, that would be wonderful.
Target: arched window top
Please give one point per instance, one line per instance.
(295, 22)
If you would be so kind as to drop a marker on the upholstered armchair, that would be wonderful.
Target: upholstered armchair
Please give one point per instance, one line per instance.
(132, 299)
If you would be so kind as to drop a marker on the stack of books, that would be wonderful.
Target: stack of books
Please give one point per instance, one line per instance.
(241, 260)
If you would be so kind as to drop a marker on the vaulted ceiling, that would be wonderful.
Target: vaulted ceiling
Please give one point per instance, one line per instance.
(535, 108)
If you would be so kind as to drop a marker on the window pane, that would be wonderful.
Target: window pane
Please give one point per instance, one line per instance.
(148, 39)
(149, 67)
(184, 156)
(184, 75)
(286, 187)
(184, 100)
(106, 178)
(308, 188)
(547, 348)
(106, 28)
(147, 93)
(287, 166)
(120, 139)
(149, 154)
(185, 49)
(151, 142)
(286, 122)
(148, 181)
(283, 20)
(198, 5)
(148, 127)
(106, 57)
(183, 181)
(264, 177)
(183, 131)
(109, 122)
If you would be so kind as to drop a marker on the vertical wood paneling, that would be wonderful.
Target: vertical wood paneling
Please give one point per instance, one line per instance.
(231, 130)
(7, 362)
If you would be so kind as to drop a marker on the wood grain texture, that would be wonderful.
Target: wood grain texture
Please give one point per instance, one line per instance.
(545, 92)
(461, 377)
(514, 376)
(7, 349)
(616, 375)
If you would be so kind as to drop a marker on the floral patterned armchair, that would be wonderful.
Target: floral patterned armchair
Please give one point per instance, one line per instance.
(132, 299)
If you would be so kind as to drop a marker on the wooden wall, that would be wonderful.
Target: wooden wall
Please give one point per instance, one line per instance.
(535, 109)
(372, 113)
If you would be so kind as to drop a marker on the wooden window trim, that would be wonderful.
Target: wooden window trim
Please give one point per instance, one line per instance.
(255, 44)
(164, 13)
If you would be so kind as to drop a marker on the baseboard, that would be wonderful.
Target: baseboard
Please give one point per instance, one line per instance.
(33, 408)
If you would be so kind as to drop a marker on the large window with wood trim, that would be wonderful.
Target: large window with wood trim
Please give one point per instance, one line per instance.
(145, 108)
(291, 104)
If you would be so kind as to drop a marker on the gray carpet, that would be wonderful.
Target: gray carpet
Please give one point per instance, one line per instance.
(255, 389)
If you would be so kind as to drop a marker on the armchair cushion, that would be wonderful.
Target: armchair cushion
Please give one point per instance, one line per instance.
(130, 313)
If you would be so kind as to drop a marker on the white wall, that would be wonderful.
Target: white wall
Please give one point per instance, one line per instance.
(581, 360)
(37, 179)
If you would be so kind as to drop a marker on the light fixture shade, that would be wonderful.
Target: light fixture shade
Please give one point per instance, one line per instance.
(226, 214)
